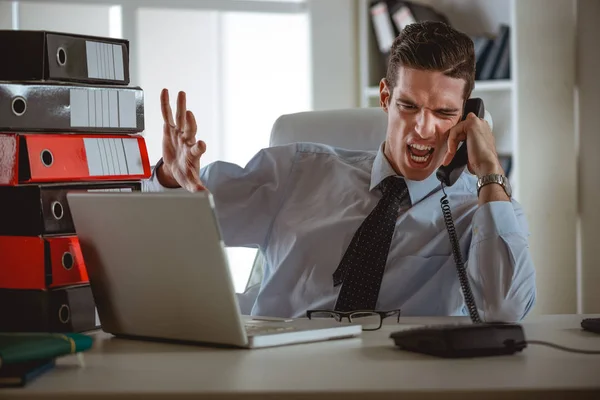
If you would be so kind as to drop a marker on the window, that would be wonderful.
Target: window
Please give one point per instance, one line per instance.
(86, 19)
(241, 69)
(238, 77)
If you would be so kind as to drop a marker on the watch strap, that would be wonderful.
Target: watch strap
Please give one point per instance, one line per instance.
(493, 178)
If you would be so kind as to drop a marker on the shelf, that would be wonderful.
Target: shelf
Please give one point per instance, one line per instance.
(372, 91)
(493, 85)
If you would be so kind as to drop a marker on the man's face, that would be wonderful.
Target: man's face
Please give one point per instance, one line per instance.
(422, 108)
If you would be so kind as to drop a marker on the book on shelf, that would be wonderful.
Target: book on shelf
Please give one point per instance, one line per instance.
(492, 55)
(390, 17)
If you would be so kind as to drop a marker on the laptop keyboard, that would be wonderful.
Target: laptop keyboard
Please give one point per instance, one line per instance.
(260, 329)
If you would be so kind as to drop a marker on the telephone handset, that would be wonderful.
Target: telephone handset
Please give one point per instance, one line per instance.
(449, 174)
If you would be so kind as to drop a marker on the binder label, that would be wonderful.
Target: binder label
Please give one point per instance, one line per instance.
(102, 108)
(104, 60)
(111, 190)
(8, 156)
(108, 156)
(383, 26)
(403, 17)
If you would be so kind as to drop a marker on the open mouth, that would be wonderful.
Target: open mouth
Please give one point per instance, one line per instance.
(420, 153)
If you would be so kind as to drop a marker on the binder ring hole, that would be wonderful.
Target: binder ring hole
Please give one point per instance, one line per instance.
(19, 106)
(64, 314)
(47, 157)
(61, 56)
(57, 210)
(67, 260)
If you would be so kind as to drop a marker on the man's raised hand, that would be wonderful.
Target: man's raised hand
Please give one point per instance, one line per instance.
(181, 151)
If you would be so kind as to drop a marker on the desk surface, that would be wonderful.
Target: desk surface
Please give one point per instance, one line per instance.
(367, 367)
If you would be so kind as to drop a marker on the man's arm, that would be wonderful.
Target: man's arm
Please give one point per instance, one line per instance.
(500, 267)
(246, 199)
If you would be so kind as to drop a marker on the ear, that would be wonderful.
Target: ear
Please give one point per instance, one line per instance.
(384, 94)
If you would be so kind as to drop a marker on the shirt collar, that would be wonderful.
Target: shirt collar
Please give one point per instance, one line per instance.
(417, 190)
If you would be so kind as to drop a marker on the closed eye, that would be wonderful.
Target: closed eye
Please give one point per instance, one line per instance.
(447, 112)
(405, 106)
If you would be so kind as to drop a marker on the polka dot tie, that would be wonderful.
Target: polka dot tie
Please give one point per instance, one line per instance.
(362, 266)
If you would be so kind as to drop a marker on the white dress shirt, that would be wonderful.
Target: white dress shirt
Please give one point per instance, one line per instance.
(300, 204)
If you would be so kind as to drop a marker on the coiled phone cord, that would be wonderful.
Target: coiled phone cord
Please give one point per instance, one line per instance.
(458, 260)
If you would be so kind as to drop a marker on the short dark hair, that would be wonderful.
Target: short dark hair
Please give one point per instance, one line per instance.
(433, 46)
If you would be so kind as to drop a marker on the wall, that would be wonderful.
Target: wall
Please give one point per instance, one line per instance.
(545, 154)
(80, 18)
(5, 15)
(334, 41)
(588, 82)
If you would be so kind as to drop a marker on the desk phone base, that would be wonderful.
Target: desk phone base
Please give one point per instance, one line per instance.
(458, 341)
(591, 324)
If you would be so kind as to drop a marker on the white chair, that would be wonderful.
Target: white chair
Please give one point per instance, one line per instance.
(356, 129)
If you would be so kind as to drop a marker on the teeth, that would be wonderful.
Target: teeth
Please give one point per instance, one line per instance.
(419, 159)
(420, 147)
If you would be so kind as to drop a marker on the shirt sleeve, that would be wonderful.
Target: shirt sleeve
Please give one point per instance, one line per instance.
(500, 266)
(246, 199)
(153, 185)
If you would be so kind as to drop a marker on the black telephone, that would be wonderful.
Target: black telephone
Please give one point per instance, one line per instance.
(478, 339)
(449, 174)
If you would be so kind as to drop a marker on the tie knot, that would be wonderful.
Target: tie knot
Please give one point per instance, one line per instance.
(393, 185)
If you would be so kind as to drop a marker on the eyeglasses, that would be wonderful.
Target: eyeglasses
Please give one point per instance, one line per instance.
(369, 319)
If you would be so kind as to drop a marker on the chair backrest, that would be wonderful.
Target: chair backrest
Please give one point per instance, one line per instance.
(351, 128)
(354, 128)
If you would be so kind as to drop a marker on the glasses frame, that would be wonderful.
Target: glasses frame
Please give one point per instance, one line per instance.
(340, 315)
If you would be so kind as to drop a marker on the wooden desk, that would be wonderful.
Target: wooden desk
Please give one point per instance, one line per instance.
(369, 367)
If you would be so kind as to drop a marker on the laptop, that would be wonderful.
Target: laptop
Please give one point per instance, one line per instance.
(158, 269)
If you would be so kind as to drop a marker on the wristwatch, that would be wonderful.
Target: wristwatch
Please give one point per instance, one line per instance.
(494, 178)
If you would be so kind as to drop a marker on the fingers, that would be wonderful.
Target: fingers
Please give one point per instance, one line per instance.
(455, 136)
(181, 112)
(194, 183)
(198, 149)
(189, 134)
(166, 107)
(192, 177)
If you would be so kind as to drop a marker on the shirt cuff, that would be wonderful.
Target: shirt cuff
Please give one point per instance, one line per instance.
(152, 184)
(493, 219)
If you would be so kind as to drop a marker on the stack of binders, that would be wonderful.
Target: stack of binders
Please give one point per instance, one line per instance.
(69, 120)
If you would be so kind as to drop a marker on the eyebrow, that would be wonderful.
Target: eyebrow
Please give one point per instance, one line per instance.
(447, 110)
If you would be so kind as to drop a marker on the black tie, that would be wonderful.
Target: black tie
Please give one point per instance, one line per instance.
(363, 264)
